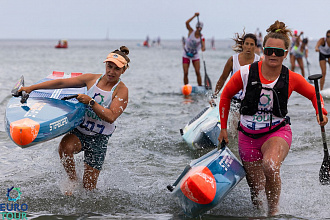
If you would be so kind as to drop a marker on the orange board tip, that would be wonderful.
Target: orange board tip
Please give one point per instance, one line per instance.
(24, 131)
(199, 185)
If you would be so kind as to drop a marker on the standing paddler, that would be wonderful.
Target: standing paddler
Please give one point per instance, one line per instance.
(265, 135)
(193, 43)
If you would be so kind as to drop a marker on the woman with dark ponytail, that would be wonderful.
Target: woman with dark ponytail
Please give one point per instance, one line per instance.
(245, 46)
(265, 136)
(106, 99)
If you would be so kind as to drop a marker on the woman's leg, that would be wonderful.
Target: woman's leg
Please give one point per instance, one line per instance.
(301, 65)
(185, 66)
(292, 61)
(90, 177)
(323, 66)
(256, 181)
(274, 151)
(196, 64)
(69, 145)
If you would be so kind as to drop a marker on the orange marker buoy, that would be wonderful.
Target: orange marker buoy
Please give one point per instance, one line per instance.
(186, 89)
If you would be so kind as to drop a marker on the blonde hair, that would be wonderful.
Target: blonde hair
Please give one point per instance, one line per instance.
(278, 30)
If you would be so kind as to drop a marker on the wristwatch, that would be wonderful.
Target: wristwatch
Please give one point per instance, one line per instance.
(91, 103)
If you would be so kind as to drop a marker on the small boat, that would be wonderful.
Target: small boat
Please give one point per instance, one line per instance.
(62, 44)
(206, 181)
(203, 130)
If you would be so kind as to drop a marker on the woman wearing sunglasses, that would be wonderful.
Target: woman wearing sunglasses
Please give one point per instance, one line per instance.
(265, 136)
(323, 47)
(245, 47)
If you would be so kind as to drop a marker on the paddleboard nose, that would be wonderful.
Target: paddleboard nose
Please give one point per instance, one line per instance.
(200, 186)
(24, 131)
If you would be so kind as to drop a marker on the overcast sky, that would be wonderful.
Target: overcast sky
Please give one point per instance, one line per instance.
(135, 19)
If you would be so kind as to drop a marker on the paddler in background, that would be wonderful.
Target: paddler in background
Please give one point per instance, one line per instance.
(146, 42)
(323, 47)
(192, 45)
(259, 42)
(245, 47)
(294, 37)
(106, 99)
(65, 43)
(298, 51)
(265, 135)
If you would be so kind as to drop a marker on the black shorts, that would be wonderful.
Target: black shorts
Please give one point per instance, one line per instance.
(323, 56)
(94, 147)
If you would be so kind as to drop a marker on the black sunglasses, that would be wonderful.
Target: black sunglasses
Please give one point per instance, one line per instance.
(279, 52)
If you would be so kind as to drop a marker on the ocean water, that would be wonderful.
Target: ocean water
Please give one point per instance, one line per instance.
(146, 153)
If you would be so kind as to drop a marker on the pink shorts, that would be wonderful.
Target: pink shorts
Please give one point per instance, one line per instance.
(250, 149)
(187, 60)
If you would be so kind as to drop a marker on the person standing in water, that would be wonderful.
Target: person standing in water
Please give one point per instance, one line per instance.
(298, 52)
(323, 47)
(265, 135)
(294, 38)
(212, 43)
(192, 45)
(244, 47)
(259, 42)
(106, 100)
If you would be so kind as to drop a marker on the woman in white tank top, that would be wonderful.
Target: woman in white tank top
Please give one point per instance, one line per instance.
(191, 47)
(245, 47)
(106, 99)
(323, 47)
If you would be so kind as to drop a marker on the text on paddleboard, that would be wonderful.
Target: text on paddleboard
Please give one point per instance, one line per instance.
(225, 162)
(35, 109)
(58, 124)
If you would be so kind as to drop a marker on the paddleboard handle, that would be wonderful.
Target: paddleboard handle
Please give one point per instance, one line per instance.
(69, 97)
(222, 145)
(25, 96)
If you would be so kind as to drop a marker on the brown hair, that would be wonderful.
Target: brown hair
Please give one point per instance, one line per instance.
(239, 41)
(124, 51)
(278, 30)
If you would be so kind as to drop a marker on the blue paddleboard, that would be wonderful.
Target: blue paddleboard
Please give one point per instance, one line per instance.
(206, 181)
(203, 130)
(44, 115)
(195, 90)
(325, 93)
